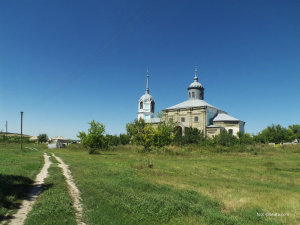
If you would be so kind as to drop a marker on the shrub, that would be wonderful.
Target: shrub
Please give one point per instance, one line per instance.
(225, 139)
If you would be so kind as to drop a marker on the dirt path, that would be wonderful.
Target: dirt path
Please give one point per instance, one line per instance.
(27, 204)
(74, 192)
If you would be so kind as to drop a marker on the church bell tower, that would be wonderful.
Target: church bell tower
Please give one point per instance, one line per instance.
(146, 104)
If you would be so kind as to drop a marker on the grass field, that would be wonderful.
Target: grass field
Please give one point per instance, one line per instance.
(197, 187)
(118, 187)
(17, 172)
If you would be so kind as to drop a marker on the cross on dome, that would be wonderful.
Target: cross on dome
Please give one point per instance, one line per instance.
(196, 78)
(147, 87)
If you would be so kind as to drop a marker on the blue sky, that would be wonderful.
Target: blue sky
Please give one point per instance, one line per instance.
(65, 63)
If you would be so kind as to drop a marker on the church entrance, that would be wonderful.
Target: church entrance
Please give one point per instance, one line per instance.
(178, 131)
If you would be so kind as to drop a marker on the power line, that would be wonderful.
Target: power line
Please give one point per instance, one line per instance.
(136, 20)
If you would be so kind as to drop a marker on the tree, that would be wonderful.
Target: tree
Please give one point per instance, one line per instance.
(244, 138)
(163, 134)
(295, 130)
(225, 139)
(145, 134)
(136, 131)
(148, 137)
(95, 139)
(124, 139)
(273, 133)
(113, 140)
(193, 135)
(42, 138)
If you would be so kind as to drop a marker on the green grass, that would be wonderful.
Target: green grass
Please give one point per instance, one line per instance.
(196, 187)
(54, 205)
(17, 172)
(190, 186)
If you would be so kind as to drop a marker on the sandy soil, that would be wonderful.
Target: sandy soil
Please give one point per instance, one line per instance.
(74, 192)
(27, 204)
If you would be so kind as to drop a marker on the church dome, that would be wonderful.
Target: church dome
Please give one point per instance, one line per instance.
(146, 97)
(195, 84)
(196, 90)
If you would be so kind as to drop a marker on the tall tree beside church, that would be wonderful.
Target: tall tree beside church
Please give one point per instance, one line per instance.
(163, 134)
(148, 136)
(135, 131)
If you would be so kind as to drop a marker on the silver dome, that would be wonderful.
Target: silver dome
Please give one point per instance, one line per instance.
(146, 97)
(195, 84)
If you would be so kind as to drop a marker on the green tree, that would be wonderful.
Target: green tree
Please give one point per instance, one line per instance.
(136, 131)
(244, 138)
(193, 135)
(148, 137)
(225, 139)
(42, 138)
(294, 131)
(95, 139)
(163, 134)
(124, 139)
(113, 140)
(145, 134)
(273, 133)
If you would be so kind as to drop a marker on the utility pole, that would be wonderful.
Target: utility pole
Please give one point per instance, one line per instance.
(21, 129)
(6, 134)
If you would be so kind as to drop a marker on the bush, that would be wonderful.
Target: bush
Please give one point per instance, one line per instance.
(192, 136)
(225, 139)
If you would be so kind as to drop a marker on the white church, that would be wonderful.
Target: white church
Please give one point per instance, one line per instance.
(194, 112)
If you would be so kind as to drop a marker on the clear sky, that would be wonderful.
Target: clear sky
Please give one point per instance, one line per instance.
(65, 63)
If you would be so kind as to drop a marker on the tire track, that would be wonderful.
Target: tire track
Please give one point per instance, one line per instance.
(27, 204)
(74, 192)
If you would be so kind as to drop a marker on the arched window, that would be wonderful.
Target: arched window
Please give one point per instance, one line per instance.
(189, 94)
(193, 94)
(152, 106)
(141, 105)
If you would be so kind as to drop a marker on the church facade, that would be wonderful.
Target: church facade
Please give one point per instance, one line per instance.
(194, 112)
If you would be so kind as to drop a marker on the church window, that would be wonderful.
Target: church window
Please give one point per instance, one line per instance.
(230, 131)
(189, 94)
(141, 105)
(152, 106)
(183, 119)
(196, 119)
(193, 94)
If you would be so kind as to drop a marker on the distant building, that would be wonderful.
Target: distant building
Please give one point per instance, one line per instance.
(58, 139)
(194, 112)
(33, 138)
(57, 142)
